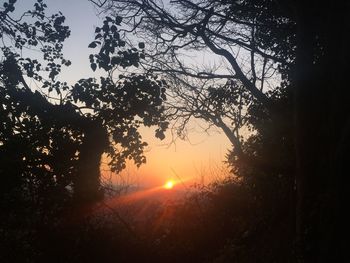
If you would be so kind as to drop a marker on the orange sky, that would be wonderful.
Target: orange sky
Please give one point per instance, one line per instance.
(188, 161)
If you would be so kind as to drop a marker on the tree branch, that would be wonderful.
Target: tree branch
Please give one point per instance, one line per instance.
(238, 72)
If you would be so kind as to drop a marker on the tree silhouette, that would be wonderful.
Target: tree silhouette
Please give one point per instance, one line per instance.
(305, 43)
(322, 129)
(258, 49)
(53, 136)
(283, 75)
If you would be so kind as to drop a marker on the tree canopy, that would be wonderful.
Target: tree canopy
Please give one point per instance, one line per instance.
(274, 83)
(251, 45)
(282, 55)
(53, 135)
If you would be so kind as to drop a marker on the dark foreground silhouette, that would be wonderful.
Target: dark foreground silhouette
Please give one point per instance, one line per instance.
(221, 223)
(289, 203)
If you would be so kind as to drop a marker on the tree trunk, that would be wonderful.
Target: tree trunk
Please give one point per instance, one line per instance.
(321, 118)
(87, 181)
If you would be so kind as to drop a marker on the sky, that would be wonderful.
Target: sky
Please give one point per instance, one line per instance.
(200, 158)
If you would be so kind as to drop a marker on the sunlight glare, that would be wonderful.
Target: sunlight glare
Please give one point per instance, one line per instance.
(169, 185)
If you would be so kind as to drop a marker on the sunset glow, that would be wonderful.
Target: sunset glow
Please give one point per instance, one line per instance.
(169, 185)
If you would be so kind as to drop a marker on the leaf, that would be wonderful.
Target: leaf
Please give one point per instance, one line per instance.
(141, 45)
(113, 28)
(118, 20)
(93, 66)
(160, 134)
(92, 45)
(115, 60)
(11, 8)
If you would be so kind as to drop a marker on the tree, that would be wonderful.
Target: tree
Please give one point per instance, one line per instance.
(305, 42)
(252, 49)
(256, 52)
(322, 129)
(256, 49)
(52, 137)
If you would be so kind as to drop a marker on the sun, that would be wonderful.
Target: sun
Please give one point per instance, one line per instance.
(169, 185)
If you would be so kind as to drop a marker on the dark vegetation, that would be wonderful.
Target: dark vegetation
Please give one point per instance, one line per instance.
(286, 200)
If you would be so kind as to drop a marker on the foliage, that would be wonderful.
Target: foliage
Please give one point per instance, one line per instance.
(218, 223)
(255, 42)
(269, 50)
(53, 136)
(248, 96)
